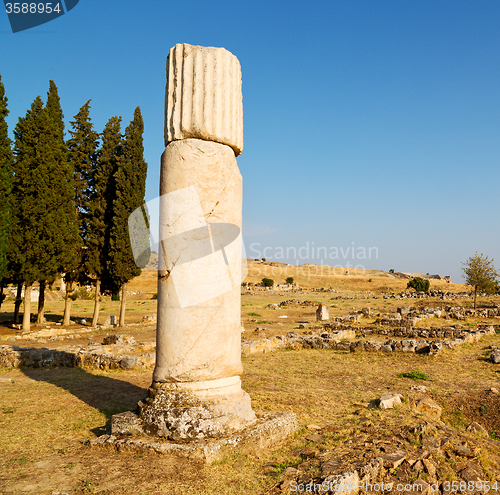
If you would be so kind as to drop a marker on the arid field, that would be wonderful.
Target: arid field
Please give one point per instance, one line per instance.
(49, 415)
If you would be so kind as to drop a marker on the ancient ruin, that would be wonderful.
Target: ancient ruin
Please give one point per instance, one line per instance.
(196, 391)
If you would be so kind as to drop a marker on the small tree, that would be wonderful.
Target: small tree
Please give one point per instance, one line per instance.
(289, 280)
(481, 274)
(419, 284)
(267, 282)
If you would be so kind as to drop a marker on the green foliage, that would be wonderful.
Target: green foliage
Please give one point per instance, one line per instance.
(480, 272)
(82, 293)
(82, 156)
(263, 259)
(278, 469)
(44, 230)
(6, 177)
(414, 375)
(115, 296)
(61, 225)
(155, 296)
(130, 186)
(289, 280)
(419, 284)
(267, 282)
(391, 270)
(254, 314)
(100, 210)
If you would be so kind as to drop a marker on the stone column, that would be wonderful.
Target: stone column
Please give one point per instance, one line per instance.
(196, 390)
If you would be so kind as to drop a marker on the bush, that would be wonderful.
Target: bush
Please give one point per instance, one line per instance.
(289, 280)
(155, 296)
(415, 375)
(267, 282)
(264, 259)
(82, 293)
(391, 270)
(115, 296)
(419, 284)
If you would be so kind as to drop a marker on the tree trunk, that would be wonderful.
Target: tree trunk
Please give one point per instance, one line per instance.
(41, 302)
(97, 303)
(475, 296)
(67, 303)
(122, 307)
(18, 302)
(27, 308)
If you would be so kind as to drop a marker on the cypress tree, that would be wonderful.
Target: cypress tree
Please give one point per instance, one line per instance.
(26, 216)
(82, 156)
(6, 170)
(60, 239)
(100, 213)
(44, 221)
(130, 180)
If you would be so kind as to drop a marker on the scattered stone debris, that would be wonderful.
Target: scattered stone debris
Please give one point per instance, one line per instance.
(419, 388)
(495, 356)
(118, 339)
(420, 458)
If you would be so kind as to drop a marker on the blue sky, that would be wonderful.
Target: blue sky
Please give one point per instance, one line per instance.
(368, 122)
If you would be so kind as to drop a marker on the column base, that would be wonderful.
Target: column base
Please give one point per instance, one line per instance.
(189, 411)
(270, 429)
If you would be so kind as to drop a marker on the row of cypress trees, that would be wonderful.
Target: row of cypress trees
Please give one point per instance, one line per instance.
(66, 203)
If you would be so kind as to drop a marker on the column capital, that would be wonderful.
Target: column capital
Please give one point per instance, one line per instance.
(203, 97)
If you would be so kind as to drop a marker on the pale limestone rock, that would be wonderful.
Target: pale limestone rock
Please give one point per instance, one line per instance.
(203, 96)
(429, 407)
(388, 401)
(343, 484)
(478, 429)
(322, 312)
(392, 461)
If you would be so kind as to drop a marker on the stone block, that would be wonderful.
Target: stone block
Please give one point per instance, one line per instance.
(322, 312)
(388, 401)
(266, 432)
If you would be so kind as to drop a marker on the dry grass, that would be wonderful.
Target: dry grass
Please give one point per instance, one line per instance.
(46, 416)
(317, 276)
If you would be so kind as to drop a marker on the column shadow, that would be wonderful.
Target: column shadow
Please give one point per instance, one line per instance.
(104, 393)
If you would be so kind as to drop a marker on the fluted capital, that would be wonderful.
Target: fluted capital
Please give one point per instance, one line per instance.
(203, 96)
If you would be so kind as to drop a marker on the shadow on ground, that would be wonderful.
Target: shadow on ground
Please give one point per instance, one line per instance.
(104, 393)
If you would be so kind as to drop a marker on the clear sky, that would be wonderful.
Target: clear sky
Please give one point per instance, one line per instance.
(371, 123)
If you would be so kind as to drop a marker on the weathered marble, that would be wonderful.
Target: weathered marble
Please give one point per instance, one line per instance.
(203, 96)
